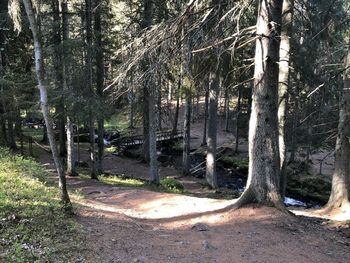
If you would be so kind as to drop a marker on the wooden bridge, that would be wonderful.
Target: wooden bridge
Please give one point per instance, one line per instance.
(135, 140)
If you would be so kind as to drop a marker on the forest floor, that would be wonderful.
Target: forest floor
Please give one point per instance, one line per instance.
(138, 224)
(143, 224)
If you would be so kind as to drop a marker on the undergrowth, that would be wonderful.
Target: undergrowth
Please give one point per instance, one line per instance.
(33, 228)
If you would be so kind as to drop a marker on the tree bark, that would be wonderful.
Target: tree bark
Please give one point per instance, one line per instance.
(3, 139)
(283, 78)
(339, 197)
(227, 109)
(211, 175)
(146, 23)
(177, 107)
(88, 75)
(264, 164)
(146, 121)
(239, 99)
(57, 61)
(67, 84)
(99, 83)
(159, 100)
(39, 68)
(206, 103)
(186, 159)
(11, 141)
(153, 124)
(131, 98)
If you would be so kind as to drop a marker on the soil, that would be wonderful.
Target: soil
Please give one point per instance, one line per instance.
(126, 224)
(137, 225)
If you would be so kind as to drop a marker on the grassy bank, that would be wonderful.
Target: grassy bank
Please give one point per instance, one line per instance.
(32, 225)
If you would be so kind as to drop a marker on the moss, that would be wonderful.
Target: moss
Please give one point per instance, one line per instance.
(236, 163)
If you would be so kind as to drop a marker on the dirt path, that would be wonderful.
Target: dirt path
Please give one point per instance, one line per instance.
(136, 225)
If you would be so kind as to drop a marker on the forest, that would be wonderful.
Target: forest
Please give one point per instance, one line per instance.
(174, 131)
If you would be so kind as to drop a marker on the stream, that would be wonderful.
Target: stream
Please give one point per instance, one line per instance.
(228, 177)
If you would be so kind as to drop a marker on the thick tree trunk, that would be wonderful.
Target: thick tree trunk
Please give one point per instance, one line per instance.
(211, 175)
(186, 159)
(339, 197)
(67, 83)
(283, 78)
(263, 177)
(44, 104)
(99, 83)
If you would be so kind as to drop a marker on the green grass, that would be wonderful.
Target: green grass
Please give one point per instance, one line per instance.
(172, 185)
(33, 227)
(168, 185)
(111, 149)
(122, 181)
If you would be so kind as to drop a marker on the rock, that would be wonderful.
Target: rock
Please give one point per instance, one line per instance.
(205, 245)
(183, 242)
(139, 259)
(200, 227)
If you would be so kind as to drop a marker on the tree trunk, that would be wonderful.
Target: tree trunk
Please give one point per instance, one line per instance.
(239, 99)
(159, 102)
(263, 176)
(3, 140)
(186, 159)
(93, 172)
(283, 78)
(153, 123)
(211, 175)
(11, 134)
(89, 88)
(227, 109)
(177, 108)
(146, 23)
(131, 98)
(99, 83)
(206, 103)
(67, 84)
(44, 104)
(45, 139)
(339, 197)
(146, 121)
(58, 72)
